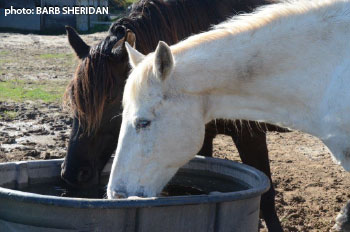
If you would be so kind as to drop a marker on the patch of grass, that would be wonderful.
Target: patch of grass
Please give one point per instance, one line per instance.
(10, 114)
(4, 53)
(21, 90)
(4, 61)
(55, 56)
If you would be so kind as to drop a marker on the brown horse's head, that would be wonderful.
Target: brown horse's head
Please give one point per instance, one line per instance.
(94, 97)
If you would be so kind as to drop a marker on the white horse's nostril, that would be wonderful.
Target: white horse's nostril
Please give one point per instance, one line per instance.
(119, 195)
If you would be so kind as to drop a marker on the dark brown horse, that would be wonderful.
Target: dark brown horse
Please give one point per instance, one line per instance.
(94, 94)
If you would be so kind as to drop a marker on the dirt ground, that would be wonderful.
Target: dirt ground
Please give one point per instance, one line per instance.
(311, 189)
(35, 129)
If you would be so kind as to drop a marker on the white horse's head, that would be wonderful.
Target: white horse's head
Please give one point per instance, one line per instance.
(162, 128)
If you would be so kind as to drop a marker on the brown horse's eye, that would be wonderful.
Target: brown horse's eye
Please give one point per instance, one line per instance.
(142, 124)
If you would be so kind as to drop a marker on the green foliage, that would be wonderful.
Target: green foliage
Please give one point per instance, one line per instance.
(120, 4)
(99, 28)
(129, 2)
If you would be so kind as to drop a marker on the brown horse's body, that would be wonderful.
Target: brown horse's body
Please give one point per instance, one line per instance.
(94, 95)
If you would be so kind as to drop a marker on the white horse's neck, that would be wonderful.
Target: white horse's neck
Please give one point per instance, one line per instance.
(287, 70)
(277, 72)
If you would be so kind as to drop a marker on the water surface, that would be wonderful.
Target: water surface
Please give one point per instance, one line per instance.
(184, 183)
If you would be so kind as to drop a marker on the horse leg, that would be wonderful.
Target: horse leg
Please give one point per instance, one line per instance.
(210, 133)
(250, 141)
(343, 219)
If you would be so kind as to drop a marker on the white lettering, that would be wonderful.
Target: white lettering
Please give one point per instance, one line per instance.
(105, 10)
(12, 10)
(48, 10)
(82, 10)
(7, 11)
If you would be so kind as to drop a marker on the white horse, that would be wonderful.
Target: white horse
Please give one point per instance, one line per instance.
(286, 64)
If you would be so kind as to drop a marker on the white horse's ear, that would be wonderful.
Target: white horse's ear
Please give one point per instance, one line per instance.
(135, 57)
(163, 61)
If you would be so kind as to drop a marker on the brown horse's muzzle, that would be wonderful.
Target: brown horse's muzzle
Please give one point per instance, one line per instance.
(82, 177)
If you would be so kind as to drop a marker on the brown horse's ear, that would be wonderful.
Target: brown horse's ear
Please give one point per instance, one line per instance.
(131, 38)
(163, 61)
(79, 46)
(135, 57)
(124, 35)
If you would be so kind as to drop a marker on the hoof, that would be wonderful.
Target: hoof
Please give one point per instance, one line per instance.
(343, 219)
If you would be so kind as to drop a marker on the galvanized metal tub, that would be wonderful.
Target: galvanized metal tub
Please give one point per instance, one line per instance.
(233, 211)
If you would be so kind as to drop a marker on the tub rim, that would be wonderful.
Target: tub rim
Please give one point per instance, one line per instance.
(70, 202)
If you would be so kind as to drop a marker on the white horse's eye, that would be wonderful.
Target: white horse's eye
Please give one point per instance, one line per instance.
(142, 123)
